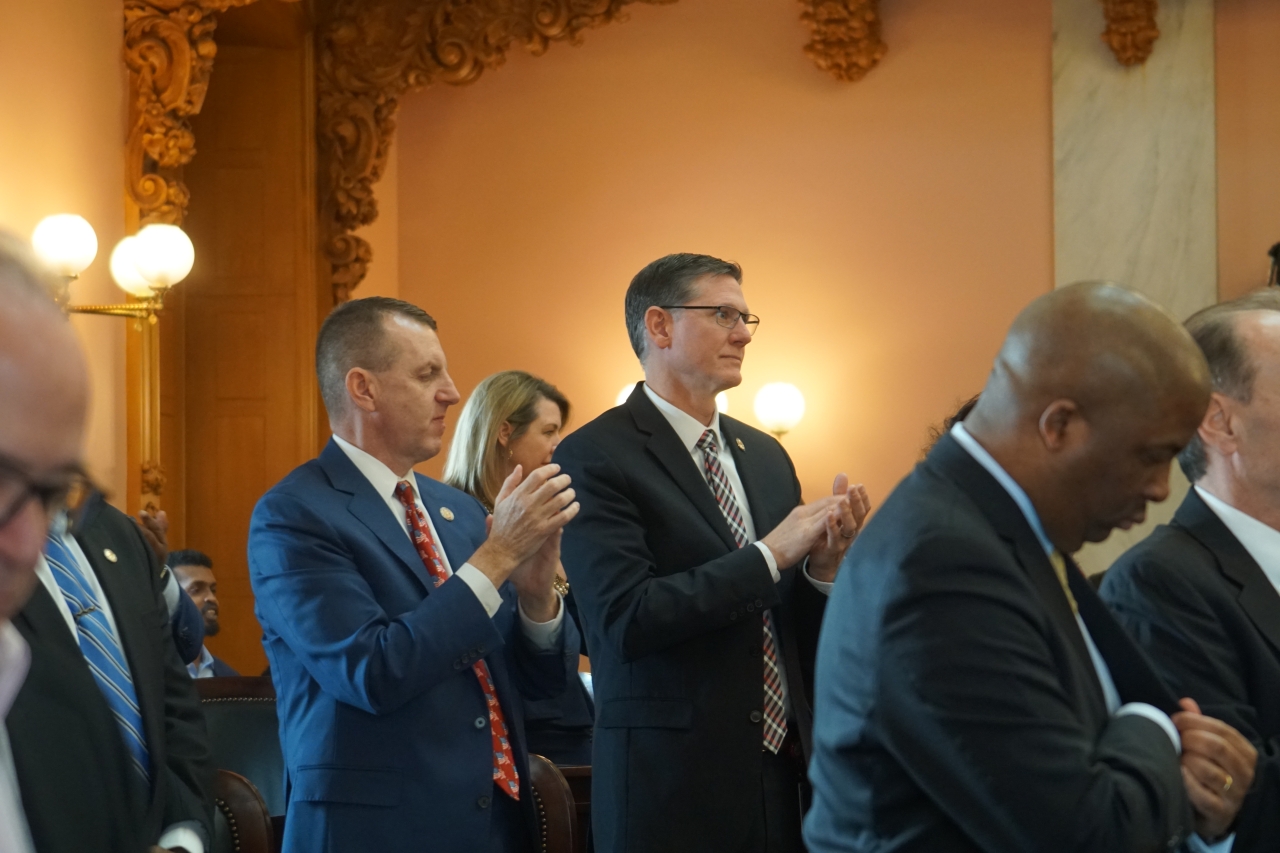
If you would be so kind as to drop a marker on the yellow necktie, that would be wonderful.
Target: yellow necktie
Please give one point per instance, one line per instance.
(1060, 569)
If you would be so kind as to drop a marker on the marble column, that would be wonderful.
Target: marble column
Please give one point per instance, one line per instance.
(1134, 174)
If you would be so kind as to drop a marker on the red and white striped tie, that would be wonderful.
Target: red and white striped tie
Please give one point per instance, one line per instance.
(775, 717)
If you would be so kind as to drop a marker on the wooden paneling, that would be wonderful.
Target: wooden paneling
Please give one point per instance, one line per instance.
(248, 395)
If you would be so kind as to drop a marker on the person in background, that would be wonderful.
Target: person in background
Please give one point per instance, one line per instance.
(1201, 595)
(194, 571)
(515, 419)
(973, 693)
(45, 387)
(701, 578)
(185, 620)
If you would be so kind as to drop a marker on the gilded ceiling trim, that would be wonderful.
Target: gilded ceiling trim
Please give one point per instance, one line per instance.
(1131, 31)
(844, 36)
(169, 50)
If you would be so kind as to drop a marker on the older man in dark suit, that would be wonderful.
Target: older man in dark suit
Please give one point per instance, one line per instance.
(701, 581)
(973, 692)
(1200, 594)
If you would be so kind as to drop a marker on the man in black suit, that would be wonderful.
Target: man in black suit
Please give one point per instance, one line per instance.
(1199, 595)
(973, 694)
(686, 563)
(169, 774)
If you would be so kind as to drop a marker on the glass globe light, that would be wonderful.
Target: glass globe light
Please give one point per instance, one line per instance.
(779, 406)
(124, 269)
(164, 255)
(722, 403)
(624, 393)
(65, 243)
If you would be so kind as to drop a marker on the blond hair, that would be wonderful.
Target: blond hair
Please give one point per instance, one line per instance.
(476, 461)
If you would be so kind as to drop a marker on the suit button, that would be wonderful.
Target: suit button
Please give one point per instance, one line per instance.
(483, 802)
(457, 664)
(733, 616)
(751, 608)
(759, 604)
(756, 716)
(481, 722)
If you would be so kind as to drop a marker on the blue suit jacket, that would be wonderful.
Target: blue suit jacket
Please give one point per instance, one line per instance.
(383, 724)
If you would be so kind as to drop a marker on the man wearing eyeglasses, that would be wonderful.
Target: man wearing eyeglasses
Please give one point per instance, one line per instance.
(701, 580)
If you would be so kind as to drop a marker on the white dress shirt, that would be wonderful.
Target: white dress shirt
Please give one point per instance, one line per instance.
(689, 430)
(15, 657)
(1261, 540)
(543, 635)
(202, 667)
(177, 835)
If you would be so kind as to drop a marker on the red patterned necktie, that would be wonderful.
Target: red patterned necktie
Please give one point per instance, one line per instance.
(504, 765)
(775, 717)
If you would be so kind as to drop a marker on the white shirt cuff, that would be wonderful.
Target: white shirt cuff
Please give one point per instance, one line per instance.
(543, 635)
(1155, 715)
(171, 594)
(181, 836)
(771, 560)
(820, 586)
(484, 589)
(1196, 844)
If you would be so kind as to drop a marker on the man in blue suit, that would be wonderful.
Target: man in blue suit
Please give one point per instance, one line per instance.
(399, 621)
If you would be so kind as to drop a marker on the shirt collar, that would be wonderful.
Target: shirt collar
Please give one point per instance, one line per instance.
(382, 478)
(1261, 540)
(987, 461)
(15, 657)
(687, 427)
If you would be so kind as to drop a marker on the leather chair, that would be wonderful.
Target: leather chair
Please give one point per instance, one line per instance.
(557, 816)
(579, 779)
(241, 823)
(244, 733)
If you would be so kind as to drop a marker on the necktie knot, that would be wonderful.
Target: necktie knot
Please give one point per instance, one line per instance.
(404, 493)
(708, 443)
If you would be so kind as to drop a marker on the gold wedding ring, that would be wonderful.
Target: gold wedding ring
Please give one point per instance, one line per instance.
(1226, 786)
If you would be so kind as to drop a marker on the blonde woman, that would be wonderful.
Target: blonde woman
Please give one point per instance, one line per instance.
(514, 418)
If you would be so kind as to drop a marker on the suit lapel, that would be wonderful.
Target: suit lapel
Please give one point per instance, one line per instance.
(1012, 526)
(372, 511)
(43, 621)
(457, 549)
(754, 481)
(1256, 595)
(667, 448)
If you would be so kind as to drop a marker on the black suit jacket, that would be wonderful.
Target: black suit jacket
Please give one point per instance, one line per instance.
(1202, 608)
(957, 706)
(673, 610)
(60, 689)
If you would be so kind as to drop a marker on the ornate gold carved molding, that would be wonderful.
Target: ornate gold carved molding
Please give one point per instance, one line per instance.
(844, 36)
(169, 50)
(1131, 29)
(369, 54)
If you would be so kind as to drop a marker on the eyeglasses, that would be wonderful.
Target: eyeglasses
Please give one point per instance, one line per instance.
(17, 488)
(726, 315)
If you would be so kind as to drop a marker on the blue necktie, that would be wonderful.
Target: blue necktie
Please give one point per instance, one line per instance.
(101, 650)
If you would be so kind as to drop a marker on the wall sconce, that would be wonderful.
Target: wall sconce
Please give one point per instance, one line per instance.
(145, 266)
(779, 407)
(722, 399)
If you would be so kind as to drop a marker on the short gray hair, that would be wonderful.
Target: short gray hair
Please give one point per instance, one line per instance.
(1231, 366)
(355, 335)
(668, 281)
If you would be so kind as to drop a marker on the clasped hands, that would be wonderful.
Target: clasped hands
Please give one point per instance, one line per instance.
(822, 530)
(1217, 768)
(523, 545)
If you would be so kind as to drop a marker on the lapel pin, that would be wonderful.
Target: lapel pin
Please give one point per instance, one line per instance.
(110, 555)
(446, 513)
(741, 446)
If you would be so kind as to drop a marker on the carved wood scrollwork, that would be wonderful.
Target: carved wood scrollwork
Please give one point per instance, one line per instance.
(1131, 29)
(844, 36)
(169, 50)
(369, 54)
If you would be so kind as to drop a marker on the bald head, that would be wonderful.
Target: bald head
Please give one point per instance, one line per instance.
(1093, 392)
(44, 386)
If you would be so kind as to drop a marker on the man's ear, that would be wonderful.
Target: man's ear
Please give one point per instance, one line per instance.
(658, 324)
(1058, 423)
(362, 387)
(504, 433)
(1217, 429)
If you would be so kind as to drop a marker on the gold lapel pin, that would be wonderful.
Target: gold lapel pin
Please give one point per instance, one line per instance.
(741, 446)
(110, 555)
(446, 513)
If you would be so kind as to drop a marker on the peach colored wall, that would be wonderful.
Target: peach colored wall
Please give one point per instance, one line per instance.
(1248, 84)
(889, 229)
(62, 128)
